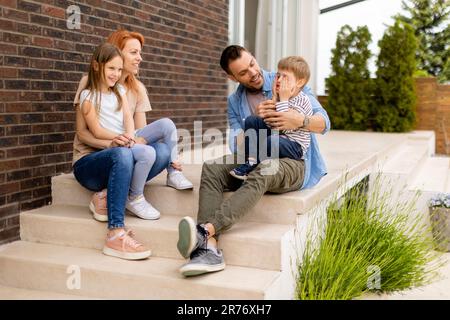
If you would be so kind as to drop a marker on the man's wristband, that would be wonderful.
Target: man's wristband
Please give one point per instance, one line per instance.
(305, 123)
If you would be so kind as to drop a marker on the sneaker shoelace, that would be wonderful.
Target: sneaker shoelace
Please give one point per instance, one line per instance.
(128, 240)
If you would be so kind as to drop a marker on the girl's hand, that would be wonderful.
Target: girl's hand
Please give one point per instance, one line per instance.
(130, 138)
(177, 165)
(286, 90)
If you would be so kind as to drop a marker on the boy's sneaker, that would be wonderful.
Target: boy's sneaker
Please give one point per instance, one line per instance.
(191, 236)
(243, 170)
(177, 180)
(142, 209)
(124, 246)
(98, 206)
(203, 261)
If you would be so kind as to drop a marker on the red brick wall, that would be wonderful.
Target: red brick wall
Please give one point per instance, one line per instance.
(433, 111)
(41, 62)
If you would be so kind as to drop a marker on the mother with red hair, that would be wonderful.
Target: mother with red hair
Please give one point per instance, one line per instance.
(160, 134)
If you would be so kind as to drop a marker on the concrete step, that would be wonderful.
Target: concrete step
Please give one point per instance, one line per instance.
(10, 293)
(248, 244)
(432, 176)
(279, 209)
(87, 272)
(402, 168)
(407, 161)
(437, 289)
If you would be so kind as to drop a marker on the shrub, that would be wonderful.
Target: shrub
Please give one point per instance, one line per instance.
(349, 83)
(364, 235)
(395, 96)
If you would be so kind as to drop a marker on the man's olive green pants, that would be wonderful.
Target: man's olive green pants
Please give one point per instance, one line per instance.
(276, 176)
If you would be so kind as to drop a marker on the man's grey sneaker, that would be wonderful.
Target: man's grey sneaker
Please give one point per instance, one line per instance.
(190, 236)
(203, 261)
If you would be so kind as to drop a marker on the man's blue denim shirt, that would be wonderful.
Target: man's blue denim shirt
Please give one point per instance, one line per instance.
(238, 110)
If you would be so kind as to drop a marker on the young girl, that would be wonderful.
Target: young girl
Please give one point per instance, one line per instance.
(105, 109)
(160, 132)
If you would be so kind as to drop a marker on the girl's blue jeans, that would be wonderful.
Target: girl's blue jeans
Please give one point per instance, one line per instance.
(112, 169)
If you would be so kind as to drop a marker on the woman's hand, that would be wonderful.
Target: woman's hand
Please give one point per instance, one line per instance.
(121, 140)
(176, 165)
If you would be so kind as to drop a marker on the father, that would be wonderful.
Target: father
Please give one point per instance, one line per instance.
(215, 215)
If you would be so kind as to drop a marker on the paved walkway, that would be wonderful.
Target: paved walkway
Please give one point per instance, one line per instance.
(437, 290)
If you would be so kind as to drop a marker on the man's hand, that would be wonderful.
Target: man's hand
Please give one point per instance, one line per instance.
(288, 120)
(265, 107)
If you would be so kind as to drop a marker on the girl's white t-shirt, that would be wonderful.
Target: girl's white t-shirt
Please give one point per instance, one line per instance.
(109, 117)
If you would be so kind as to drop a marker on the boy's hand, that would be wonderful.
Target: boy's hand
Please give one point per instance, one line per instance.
(286, 90)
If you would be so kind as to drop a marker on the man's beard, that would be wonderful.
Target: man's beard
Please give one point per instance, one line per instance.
(253, 89)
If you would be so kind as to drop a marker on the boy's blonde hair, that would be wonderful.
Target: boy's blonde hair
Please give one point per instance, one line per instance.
(297, 65)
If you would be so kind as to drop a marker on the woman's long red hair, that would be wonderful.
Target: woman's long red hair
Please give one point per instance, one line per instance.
(119, 39)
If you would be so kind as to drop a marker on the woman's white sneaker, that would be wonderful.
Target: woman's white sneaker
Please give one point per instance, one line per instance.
(142, 209)
(177, 180)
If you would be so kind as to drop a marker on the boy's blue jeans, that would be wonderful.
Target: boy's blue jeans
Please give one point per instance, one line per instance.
(262, 146)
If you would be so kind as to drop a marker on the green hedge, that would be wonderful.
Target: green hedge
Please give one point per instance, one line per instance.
(395, 97)
(349, 83)
(356, 102)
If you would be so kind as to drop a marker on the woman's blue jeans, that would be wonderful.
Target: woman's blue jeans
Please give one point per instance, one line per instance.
(112, 169)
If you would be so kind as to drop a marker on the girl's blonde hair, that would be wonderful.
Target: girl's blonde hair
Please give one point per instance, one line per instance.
(119, 38)
(102, 54)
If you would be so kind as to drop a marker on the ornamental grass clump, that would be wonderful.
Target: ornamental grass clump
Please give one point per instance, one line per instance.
(367, 245)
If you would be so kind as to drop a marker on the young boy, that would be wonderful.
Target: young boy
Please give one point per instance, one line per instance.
(293, 74)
